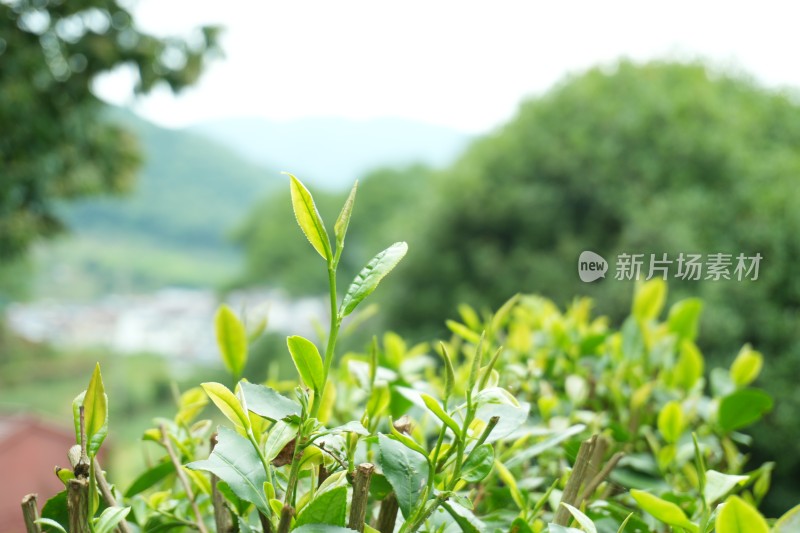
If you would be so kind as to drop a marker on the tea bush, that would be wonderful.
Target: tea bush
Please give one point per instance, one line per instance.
(529, 419)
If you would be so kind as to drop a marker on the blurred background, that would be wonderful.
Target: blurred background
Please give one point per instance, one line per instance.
(141, 145)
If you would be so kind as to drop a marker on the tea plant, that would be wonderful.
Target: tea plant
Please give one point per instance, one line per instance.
(528, 419)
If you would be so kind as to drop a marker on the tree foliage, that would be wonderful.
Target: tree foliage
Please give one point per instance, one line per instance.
(655, 158)
(55, 144)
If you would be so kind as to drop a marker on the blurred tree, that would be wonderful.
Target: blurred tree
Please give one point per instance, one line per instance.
(54, 143)
(639, 159)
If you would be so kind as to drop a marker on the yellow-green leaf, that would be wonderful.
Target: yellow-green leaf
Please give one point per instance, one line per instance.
(191, 403)
(507, 478)
(684, 317)
(340, 228)
(95, 411)
(689, 368)
(231, 339)
(308, 361)
(371, 275)
(227, 402)
(662, 510)
(738, 516)
(746, 367)
(305, 211)
(436, 409)
(789, 522)
(670, 422)
(649, 299)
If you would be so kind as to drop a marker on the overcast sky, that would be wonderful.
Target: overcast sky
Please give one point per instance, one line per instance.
(461, 64)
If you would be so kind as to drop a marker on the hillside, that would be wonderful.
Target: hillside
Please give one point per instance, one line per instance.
(332, 152)
(171, 229)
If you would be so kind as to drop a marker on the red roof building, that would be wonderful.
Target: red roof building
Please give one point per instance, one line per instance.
(29, 450)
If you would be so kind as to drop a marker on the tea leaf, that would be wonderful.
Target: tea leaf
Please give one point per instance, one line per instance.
(649, 299)
(667, 512)
(235, 461)
(268, 403)
(227, 402)
(737, 516)
(340, 228)
(746, 367)
(670, 422)
(405, 470)
(743, 408)
(308, 361)
(479, 464)
(789, 522)
(95, 410)
(719, 484)
(371, 275)
(683, 318)
(231, 339)
(585, 522)
(329, 507)
(436, 409)
(305, 211)
(109, 519)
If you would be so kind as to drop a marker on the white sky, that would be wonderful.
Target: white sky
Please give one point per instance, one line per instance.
(463, 64)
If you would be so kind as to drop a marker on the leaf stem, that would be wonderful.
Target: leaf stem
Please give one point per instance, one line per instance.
(336, 322)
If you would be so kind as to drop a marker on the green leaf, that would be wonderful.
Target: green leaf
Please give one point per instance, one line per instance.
(409, 442)
(555, 528)
(51, 523)
(789, 522)
(529, 453)
(649, 299)
(746, 367)
(449, 374)
(343, 221)
(149, 478)
(322, 528)
(228, 403)
(670, 422)
(236, 462)
(465, 518)
(585, 522)
(371, 275)
(192, 402)
(281, 434)
(305, 211)
(463, 331)
(329, 507)
(108, 520)
(268, 403)
(55, 509)
(308, 361)
(405, 470)
(95, 411)
(507, 478)
(520, 526)
(662, 510)
(743, 408)
(689, 367)
(479, 464)
(738, 516)
(719, 484)
(231, 339)
(684, 317)
(433, 404)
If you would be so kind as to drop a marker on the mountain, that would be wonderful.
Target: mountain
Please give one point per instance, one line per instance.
(171, 229)
(333, 152)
